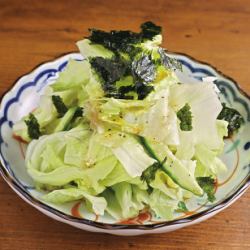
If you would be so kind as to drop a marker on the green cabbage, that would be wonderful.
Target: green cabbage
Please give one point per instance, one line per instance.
(119, 131)
(97, 204)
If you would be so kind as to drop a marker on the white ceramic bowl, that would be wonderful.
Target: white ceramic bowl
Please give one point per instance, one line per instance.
(24, 96)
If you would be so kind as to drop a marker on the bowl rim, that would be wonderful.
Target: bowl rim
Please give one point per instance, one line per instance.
(19, 189)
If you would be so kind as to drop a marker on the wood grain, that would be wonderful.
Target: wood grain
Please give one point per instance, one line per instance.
(31, 32)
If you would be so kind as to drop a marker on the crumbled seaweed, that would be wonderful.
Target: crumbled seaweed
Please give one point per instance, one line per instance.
(143, 90)
(149, 30)
(208, 186)
(168, 62)
(61, 108)
(115, 40)
(185, 117)
(124, 40)
(78, 113)
(110, 71)
(144, 69)
(233, 117)
(132, 51)
(124, 90)
(33, 127)
(139, 88)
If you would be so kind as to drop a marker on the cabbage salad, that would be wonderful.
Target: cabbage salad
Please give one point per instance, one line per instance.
(119, 130)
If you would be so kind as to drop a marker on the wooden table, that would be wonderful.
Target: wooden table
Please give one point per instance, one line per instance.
(31, 32)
